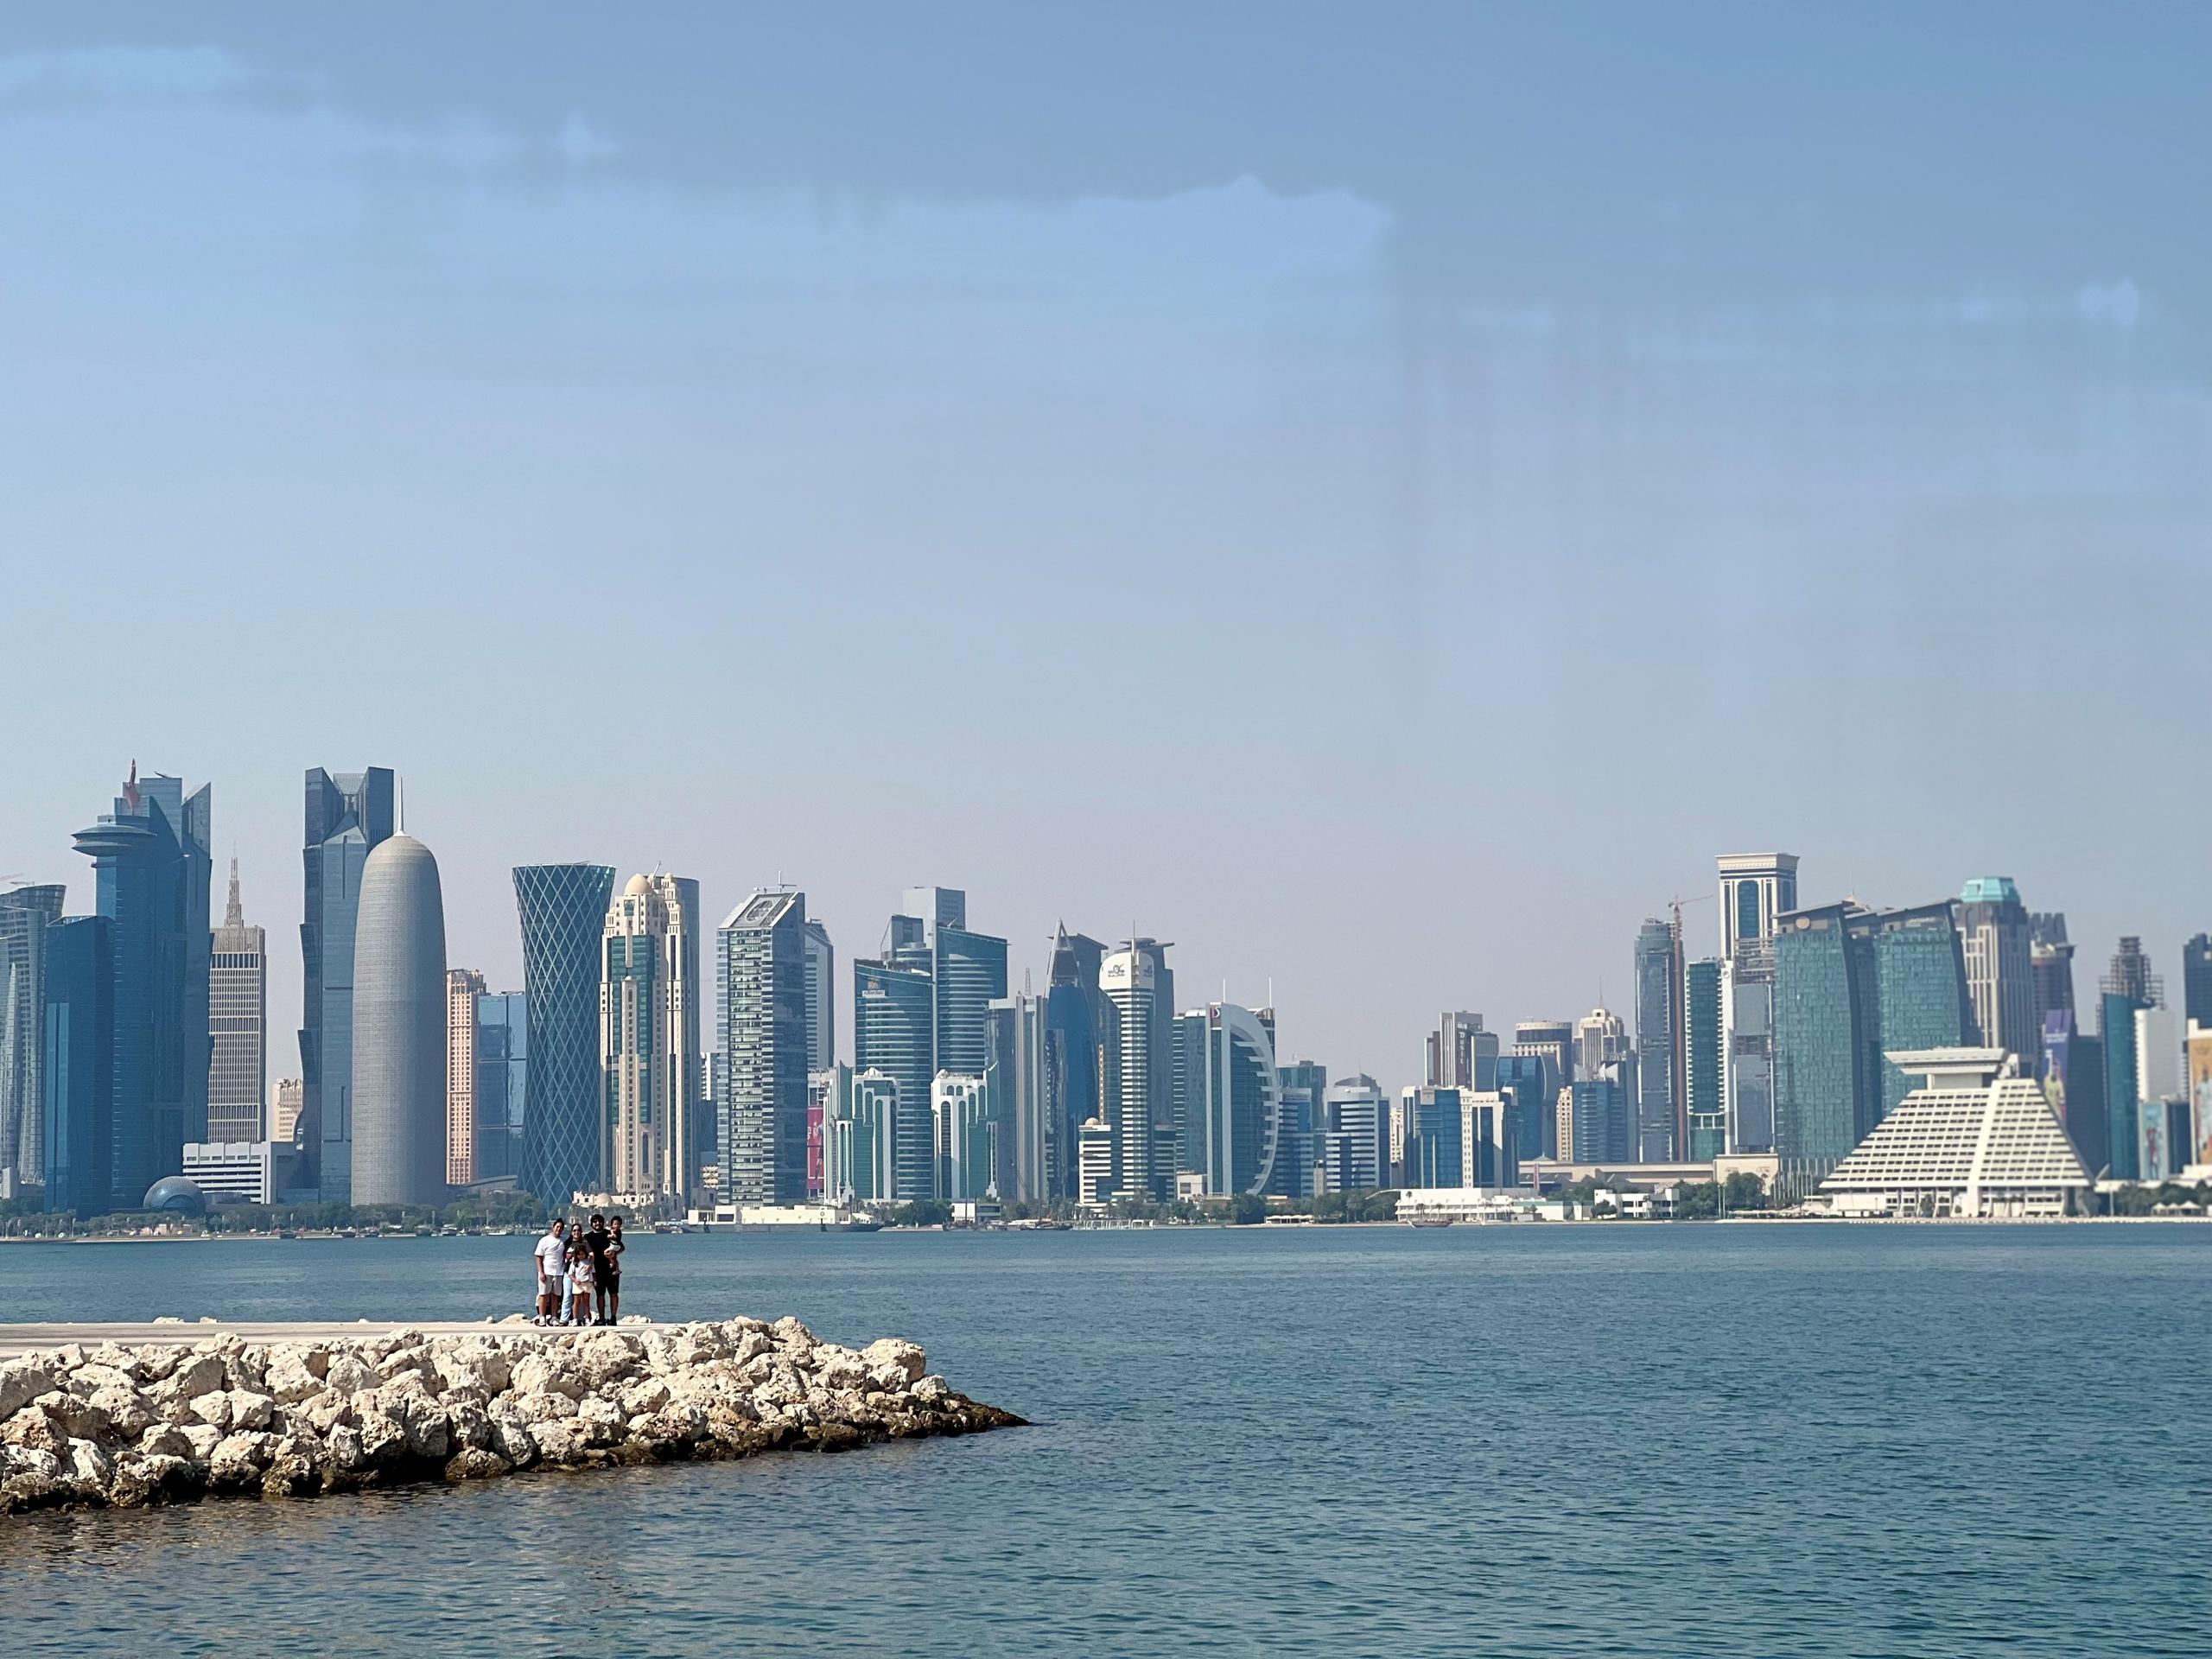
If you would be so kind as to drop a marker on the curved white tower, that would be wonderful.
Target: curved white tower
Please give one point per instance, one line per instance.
(399, 1028)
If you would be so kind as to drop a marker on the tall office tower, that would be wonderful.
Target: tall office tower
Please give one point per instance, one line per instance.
(1755, 889)
(820, 1086)
(1747, 1047)
(2050, 965)
(2074, 1082)
(969, 970)
(1075, 1016)
(562, 912)
(649, 1038)
(1138, 1088)
(1996, 938)
(821, 998)
(1236, 1113)
(348, 813)
(894, 1025)
(463, 987)
(2131, 975)
(2195, 980)
(78, 1067)
(1553, 1042)
(25, 915)
(1452, 1051)
(1708, 1120)
(1356, 1136)
(2158, 1086)
(1658, 1041)
(1528, 1083)
(1486, 1156)
(502, 1099)
(1304, 1086)
(1094, 1177)
(1600, 1038)
(1603, 1116)
(237, 1025)
(761, 957)
(153, 864)
(2116, 1013)
(287, 1096)
(856, 1129)
(399, 1028)
(1016, 1074)
(1824, 1021)
(965, 1131)
(1431, 1130)
(1922, 998)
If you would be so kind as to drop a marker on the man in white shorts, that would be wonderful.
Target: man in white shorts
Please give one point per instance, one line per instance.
(552, 1283)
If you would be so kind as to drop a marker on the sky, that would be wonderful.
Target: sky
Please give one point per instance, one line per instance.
(1379, 496)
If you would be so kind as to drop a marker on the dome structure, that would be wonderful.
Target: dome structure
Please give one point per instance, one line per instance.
(638, 886)
(399, 1028)
(177, 1195)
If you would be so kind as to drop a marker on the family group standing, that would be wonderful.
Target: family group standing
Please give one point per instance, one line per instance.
(580, 1273)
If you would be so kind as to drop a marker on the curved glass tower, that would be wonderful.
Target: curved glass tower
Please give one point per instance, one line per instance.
(399, 1028)
(562, 908)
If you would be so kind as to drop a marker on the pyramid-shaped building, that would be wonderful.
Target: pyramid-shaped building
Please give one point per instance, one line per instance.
(1976, 1141)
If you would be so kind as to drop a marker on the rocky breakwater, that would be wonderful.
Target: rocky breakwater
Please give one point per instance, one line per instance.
(165, 1423)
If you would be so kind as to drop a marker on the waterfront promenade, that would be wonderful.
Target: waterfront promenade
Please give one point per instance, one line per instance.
(17, 1340)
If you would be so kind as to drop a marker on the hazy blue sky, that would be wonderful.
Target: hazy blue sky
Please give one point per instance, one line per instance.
(1378, 495)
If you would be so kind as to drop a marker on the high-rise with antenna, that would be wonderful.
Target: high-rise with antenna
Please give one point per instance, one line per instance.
(237, 1027)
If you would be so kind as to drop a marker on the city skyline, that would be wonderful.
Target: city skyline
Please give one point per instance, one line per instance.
(1400, 1059)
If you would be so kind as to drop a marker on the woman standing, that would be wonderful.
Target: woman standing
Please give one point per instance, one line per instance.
(580, 1280)
(610, 1273)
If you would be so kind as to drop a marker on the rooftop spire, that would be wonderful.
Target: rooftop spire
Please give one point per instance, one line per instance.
(233, 916)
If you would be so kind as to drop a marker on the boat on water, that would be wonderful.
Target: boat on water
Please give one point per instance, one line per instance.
(1431, 1221)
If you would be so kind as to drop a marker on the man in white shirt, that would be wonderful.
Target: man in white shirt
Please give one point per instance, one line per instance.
(552, 1269)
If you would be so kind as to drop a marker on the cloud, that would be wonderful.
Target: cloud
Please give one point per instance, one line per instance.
(2117, 303)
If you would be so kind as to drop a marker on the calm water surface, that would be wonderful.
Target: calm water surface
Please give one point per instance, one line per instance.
(1749, 1440)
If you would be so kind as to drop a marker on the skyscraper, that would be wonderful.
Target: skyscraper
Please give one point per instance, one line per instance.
(821, 998)
(1138, 1087)
(760, 955)
(151, 858)
(894, 1025)
(1015, 1075)
(78, 1065)
(1530, 1087)
(1658, 1041)
(1356, 1152)
(399, 1028)
(2131, 975)
(1236, 1111)
(2195, 980)
(348, 815)
(1996, 938)
(1824, 1025)
(1551, 1041)
(463, 987)
(2116, 1014)
(2158, 1084)
(562, 911)
(1075, 1016)
(965, 1131)
(856, 1126)
(1460, 1053)
(1755, 889)
(2050, 965)
(502, 1082)
(238, 1023)
(1708, 1122)
(649, 1037)
(1600, 1038)
(1922, 998)
(26, 913)
(968, 970)
(287, 1098)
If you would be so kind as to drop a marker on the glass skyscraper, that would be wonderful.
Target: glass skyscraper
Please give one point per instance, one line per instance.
(562, 910)
(760, 980)
(25, 915)
(151, 859)
(1658, 1004)
(1075, 1016)
(1707, 1116)
(1822, 1022)
(347, 814)
(895, 1018)
(78, 1064)
(502, 1082)
(1922, 991)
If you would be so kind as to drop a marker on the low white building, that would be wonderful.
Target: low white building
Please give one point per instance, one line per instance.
(250, 1172)
(1442, 1204)
(1978, 1141)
